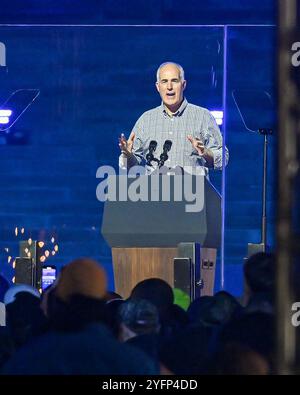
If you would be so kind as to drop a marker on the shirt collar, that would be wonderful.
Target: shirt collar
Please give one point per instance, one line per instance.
(179, 111)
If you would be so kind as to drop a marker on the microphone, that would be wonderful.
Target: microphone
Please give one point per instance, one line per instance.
(150, 156)
(164, 156)
(167, 146)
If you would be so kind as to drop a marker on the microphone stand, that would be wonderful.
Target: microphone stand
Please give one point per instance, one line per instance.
(264, 105)
(265, 133)
(164, 156)
(150, 157)
(261, 247)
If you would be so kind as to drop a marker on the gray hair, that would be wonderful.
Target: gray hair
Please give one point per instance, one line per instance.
(180, 68)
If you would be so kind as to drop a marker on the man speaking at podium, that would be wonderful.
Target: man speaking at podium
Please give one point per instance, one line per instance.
(191, 130)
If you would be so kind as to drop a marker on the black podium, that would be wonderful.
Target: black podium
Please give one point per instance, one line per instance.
(146, 235)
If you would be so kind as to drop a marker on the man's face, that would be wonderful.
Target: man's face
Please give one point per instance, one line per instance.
(170, 87)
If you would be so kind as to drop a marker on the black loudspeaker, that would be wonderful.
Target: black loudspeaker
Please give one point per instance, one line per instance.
(28, 268)
(192, 276)
(194, 270)
(183, 275)
(24, 271)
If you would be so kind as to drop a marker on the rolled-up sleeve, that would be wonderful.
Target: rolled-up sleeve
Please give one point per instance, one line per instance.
(213, 140)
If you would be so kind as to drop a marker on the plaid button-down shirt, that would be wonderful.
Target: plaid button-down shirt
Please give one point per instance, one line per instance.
(189, 119)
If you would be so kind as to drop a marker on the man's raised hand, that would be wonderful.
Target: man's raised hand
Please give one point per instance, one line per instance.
(126, 145)
(197, 144)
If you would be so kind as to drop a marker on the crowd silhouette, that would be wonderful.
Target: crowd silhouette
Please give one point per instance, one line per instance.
(79, 327)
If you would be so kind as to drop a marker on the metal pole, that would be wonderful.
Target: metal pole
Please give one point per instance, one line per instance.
(287, 165)
(264, 196)
(224, 104)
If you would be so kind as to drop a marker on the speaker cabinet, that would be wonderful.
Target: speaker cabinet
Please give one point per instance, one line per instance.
(24, 271)
(194, 269)
(183, 275)
(28, 268)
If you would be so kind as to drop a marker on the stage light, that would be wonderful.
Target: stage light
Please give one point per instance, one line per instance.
(5, 113)
(4, 116)
(4, 120)
(218, 115)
